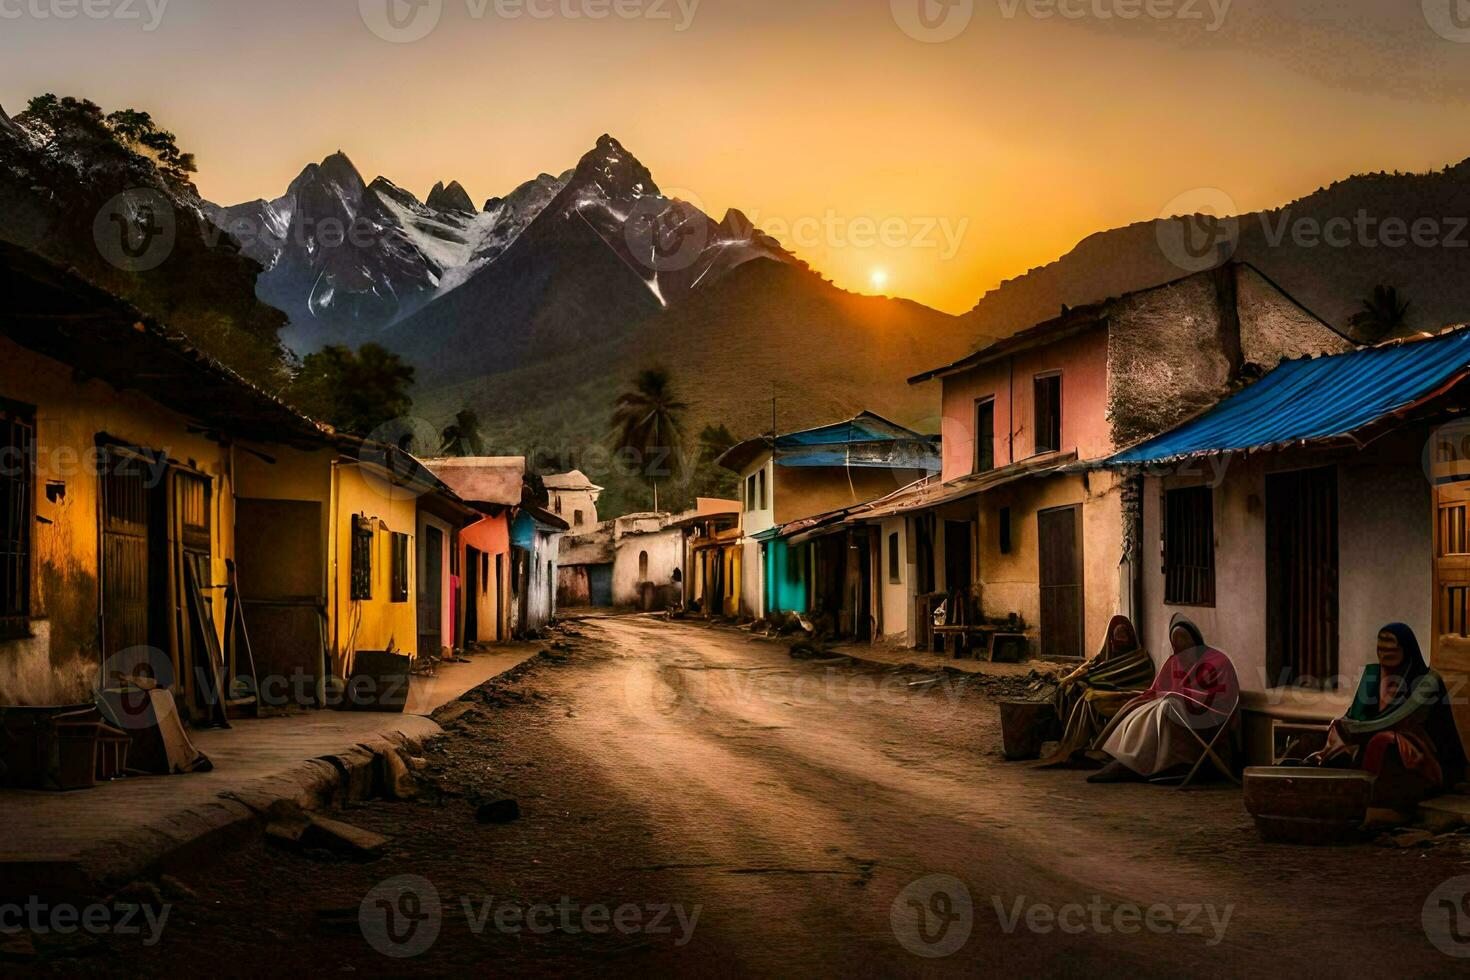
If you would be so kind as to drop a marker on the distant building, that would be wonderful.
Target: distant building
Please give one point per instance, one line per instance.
(573, 498)
(816, 471)
(633, 561)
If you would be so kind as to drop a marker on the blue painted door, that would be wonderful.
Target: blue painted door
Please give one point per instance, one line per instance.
(599, 584)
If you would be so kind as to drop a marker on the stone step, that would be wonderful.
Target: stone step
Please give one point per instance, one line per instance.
(1444, 813)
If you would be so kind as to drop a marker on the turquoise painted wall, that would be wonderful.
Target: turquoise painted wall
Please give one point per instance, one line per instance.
(786, 577)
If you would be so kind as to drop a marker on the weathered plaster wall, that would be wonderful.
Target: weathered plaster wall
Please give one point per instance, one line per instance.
(492, 537)
(61, 661)
(567, 503)
(755, 520)
(898, 606)
(1083, 362)
(1274, 328)
(1385, 542)
(1011, 583)
(1166, 358)
(377, 623)
(665, 550)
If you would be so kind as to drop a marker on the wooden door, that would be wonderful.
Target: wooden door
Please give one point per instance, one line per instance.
(1451, 639)
(1059, 555)
(1302, 578)
(126, 565)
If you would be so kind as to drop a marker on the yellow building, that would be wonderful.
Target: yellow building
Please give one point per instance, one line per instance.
(135, 473)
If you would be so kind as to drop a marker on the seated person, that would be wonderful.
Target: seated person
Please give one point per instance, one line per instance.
(1399, 727)
(1090, 696)
(1195, 690)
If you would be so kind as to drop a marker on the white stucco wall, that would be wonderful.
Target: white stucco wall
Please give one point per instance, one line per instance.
(1385, 542)
(898, 605)
(753, 578)
(665, 551)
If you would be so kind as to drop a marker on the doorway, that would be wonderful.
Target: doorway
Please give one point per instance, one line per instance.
(958, 565)
(472, 589)
(431, 593)
(135, 606)
(1059, 556)
(1302, 578)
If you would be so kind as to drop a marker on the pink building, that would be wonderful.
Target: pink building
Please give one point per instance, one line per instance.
(1013, 528)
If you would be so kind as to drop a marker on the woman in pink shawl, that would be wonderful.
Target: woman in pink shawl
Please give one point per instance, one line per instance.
(1195, 690)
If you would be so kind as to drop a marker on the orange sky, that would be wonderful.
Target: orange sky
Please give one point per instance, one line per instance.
(949, 166)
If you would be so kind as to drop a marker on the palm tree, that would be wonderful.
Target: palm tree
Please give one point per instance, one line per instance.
(462, 437)
(647, 423)
(1382, 314)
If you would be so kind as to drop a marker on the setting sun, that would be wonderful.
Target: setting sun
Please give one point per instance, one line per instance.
(878, 278)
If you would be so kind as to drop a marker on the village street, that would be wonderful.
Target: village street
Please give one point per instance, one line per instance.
(737, 811)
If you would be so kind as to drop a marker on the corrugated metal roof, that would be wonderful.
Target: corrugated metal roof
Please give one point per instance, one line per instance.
(1315, 399)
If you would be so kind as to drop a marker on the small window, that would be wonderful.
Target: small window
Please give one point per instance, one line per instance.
(985, 435)
(400, 568)
(760, 485)
(750, 492)
(1189, 547)
(577, 519)
(895, 573)
(1003, 523)
(17, 514)
(1049, 414)
(643, 566)
(558, 503)
(484, 574)
(362, 558)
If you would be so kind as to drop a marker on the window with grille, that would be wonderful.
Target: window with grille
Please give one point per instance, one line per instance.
(1189, 547)
(400, 568)
(362, 558)
(985, 435)
(1049, 414)
(1452, 537)
(17, 513)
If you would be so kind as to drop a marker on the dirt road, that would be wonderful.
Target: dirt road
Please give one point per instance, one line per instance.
(696, 801)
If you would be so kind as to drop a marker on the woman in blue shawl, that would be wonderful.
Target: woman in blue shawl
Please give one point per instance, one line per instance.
(1399, 727)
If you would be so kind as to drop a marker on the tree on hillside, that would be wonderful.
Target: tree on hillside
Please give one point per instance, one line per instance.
(354, 391)
(711, 479)
(72, 120)
(1383, 314)
(462, 436)
(647, 427)
(137, 131)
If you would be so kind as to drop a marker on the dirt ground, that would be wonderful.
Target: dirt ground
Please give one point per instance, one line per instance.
(692, 800)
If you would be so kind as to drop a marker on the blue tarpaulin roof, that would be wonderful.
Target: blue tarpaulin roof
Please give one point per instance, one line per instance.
(866, 441)
(1314, 399)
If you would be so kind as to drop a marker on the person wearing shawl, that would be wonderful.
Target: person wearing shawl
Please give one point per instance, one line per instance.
(1399, 728)
(1090, 696)
(1196, 689)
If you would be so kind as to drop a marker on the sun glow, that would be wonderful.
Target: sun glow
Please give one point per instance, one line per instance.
(878, 278)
